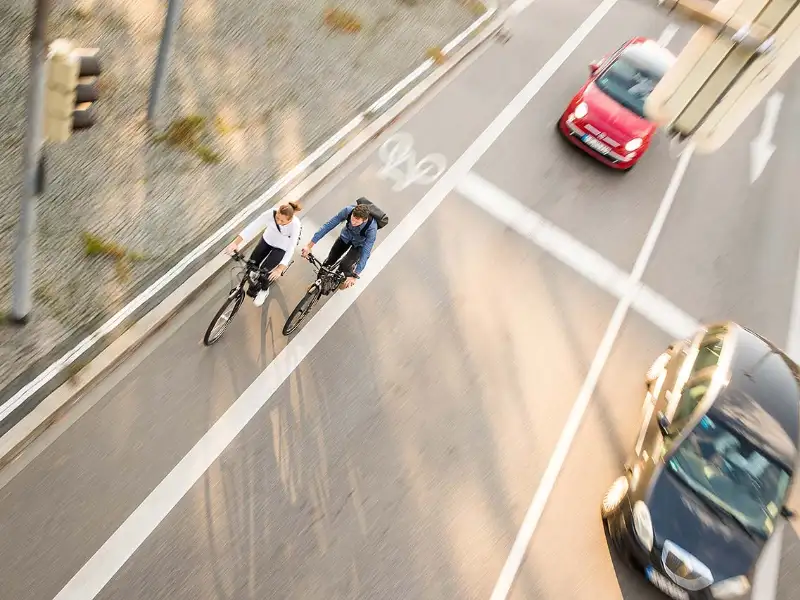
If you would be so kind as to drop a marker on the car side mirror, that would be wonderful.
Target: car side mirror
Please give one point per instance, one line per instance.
(788, 513)
(594, 66)
(663, 424)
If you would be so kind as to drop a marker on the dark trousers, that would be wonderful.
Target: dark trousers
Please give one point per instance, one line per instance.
(348, 264)
(267, 257)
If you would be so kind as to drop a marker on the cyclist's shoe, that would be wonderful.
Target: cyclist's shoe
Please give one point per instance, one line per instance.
(261, 297)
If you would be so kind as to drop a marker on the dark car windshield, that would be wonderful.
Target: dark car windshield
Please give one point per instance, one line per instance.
(728, 471)
(629, 83)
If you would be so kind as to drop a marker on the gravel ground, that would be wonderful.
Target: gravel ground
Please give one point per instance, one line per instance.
(270, 78)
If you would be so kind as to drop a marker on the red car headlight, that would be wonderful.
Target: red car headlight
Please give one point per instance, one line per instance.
(634, 144)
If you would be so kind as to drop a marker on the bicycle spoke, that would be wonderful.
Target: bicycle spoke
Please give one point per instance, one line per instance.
(223, 318)
(222, 323)
(301, 310)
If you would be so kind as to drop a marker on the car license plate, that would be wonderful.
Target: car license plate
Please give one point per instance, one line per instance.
(665, 585)
(595, 144)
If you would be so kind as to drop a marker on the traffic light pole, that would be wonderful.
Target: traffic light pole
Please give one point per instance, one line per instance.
(164, 48)
(32, 165)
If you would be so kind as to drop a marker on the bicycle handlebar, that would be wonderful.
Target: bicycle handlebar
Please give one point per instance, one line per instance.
(315, 261)
(239, 257)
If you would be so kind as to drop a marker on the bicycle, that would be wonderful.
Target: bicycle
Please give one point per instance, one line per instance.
(250, 279)
(328, 281)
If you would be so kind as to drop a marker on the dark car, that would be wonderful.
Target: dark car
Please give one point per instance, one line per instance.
(712, 467)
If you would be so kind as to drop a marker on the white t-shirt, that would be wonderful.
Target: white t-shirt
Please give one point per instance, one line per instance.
(285, 237)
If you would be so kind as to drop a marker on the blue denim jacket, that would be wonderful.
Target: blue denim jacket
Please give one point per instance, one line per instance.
(362, 236)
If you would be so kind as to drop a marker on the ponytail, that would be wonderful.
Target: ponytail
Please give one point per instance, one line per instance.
(290, 208)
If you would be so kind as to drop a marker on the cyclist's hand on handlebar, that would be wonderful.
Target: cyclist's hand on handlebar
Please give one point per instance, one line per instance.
(276, 272)
(306, 250)
(349, 282)
(231, 249)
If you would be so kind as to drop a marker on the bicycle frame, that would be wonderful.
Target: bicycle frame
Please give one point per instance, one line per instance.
(247, 269)
(332, 273)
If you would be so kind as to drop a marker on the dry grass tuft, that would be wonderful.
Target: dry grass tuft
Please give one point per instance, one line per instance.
(342, 20)
(188, 133)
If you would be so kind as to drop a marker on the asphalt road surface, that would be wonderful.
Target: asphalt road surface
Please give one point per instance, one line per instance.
(394, 446)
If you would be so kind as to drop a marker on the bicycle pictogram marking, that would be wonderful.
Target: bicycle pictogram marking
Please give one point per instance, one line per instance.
(400, 163)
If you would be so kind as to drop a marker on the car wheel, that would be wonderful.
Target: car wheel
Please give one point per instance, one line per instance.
(560, 133)
(613, 498)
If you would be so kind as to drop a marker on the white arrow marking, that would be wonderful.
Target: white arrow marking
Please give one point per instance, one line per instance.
(762, 148)
(666, 36)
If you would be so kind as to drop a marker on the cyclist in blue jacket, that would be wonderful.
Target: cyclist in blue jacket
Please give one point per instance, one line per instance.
(356, 238)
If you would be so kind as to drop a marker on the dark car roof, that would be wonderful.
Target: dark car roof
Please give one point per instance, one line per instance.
(649, 56)
(762, 397)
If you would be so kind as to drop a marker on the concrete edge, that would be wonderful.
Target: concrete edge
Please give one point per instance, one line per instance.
(382, 114)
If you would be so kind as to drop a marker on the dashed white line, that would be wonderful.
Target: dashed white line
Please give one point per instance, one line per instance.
(548, 481)
(579, 257)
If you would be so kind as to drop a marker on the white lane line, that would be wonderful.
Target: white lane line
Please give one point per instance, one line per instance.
(116, 551)
(582, 259)
(666, 36)
(548, 481)
(664, 314)
(793, 342)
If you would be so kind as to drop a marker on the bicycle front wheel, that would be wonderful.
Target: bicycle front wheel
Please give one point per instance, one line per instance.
(223, 317)
(302, 309)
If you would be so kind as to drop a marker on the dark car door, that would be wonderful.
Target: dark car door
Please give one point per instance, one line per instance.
(682, 391)
(657, 397)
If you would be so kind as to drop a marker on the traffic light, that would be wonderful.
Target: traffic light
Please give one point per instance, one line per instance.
(739, 54)
(71, 89)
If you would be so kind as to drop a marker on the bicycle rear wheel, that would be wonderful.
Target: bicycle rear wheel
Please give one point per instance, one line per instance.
(223, 317)
(302, 309)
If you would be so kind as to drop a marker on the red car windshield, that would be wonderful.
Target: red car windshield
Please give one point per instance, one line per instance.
(628, 83)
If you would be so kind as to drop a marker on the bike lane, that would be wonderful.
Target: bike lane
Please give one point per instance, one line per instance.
(72, 489)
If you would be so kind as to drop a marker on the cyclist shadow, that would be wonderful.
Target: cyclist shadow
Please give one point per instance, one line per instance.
(271, 337)
(279, 491)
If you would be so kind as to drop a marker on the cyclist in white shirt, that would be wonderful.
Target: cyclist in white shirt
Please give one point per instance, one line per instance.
(274, 251)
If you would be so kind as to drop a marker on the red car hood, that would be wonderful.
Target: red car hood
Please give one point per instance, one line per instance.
(607, 115)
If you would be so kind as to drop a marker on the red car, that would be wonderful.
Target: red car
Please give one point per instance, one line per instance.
(606, 117)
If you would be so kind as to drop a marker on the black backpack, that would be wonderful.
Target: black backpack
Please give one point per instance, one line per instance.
(376, 214)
